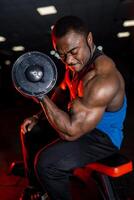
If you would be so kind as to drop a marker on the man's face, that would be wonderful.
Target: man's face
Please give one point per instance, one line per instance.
(73, 49)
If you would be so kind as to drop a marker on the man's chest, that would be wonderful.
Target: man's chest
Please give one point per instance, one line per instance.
(79, 84)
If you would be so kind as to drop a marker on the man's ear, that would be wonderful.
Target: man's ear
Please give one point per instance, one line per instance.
(90, 39)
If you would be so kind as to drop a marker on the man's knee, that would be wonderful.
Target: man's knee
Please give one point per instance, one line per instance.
(41, 164)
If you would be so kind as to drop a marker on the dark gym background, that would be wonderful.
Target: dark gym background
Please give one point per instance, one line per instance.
(21, 24)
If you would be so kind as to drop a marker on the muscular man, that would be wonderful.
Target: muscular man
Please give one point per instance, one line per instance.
(91, 128)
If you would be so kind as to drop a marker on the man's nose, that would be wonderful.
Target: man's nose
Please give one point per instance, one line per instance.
(69, 59)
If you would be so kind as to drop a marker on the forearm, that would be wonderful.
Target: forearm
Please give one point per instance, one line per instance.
(55, 98)
(59, 119)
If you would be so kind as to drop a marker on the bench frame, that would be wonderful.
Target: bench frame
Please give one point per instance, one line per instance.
(114, 166)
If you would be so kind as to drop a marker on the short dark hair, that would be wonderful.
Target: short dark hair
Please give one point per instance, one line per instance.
(67, 23)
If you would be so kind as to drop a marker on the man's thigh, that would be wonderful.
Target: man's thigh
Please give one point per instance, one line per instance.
(66, 155)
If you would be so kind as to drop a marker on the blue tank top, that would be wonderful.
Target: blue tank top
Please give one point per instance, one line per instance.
(112, 124)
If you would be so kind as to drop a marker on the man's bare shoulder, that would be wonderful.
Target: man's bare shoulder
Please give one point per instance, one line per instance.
(102, 67)
(105, 84)
(104, 64)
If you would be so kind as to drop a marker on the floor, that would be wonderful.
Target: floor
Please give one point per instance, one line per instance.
(12, 114)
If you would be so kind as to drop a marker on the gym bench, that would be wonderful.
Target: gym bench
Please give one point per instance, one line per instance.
(113, 166)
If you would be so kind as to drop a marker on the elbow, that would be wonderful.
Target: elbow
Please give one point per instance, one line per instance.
(70, 138)
(73, 135)
(76, 134)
